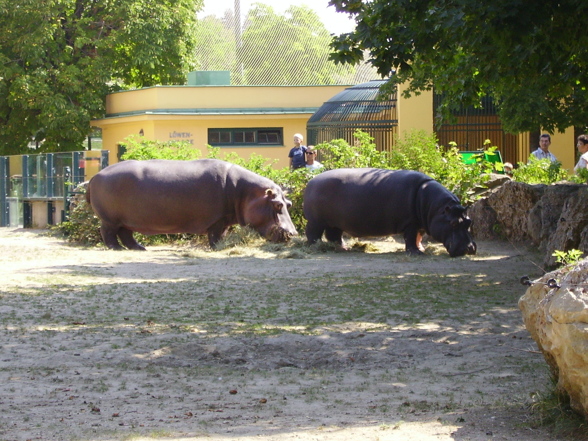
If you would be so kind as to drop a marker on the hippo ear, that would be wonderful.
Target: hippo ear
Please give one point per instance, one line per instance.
(462, 222)
(270, 193)
(455, 210)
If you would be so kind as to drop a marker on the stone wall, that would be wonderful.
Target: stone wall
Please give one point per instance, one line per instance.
(551, 217)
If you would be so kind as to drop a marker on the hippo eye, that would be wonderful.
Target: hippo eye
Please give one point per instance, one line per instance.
(278, 206)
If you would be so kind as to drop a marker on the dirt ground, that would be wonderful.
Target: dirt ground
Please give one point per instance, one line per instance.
(264, 343)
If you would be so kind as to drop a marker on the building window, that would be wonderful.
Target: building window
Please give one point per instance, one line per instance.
(245, 137)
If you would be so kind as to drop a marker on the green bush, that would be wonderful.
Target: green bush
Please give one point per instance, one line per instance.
(82, 226)
(421, 151)
(139, 148)
(540, 171)
(339, 154)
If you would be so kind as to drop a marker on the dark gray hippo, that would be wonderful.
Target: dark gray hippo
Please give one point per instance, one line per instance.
(204, 196)
(374, 202)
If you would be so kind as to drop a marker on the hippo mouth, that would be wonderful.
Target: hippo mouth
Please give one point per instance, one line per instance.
(454, 251)
(278, 234)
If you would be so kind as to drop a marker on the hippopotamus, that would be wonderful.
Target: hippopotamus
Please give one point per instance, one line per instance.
(204, 196)
(369, 202)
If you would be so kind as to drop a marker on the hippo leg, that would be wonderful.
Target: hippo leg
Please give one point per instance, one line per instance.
(109, 237)
(127, 239)
(419, 241)
(314, 232)
(216, 232)
(412, 241)
(334, 235)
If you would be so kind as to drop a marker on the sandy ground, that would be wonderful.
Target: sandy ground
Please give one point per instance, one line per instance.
(264, 343)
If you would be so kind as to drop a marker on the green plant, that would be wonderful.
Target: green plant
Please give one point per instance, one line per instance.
(418, 150)
(363, 153)
(139, 148)
(82, 226)
(570, 257)
(581, 176)
(539, 171)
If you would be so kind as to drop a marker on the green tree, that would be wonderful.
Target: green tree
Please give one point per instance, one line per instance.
(59, 59)
(532, 58)
(216, 46)
(286, 49)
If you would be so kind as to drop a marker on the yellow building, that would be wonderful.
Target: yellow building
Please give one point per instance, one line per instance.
(245, 119)
(264, 119)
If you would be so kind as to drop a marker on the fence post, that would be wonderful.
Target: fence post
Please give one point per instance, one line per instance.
(25, 176)
(4, 215)
(50, 176)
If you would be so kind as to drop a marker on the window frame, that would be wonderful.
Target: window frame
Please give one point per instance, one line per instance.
(244, 134)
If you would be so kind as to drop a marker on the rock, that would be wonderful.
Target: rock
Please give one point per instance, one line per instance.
(557, 319)
(571, 223)
(484, 220)
(551, 217)
(510, 205)
(544, 216)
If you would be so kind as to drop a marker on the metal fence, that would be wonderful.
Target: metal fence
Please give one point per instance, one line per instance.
(356, 108)
(474, 126)
(45, 178)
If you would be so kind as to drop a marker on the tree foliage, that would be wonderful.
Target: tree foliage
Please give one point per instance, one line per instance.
(286, 49)
(532, 58)
(59, 59)
(216, 46)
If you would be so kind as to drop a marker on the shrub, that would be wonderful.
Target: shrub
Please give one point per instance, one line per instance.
(82, 226)
(540, 171)
(421, 151)
(339, 154)
(139, 148)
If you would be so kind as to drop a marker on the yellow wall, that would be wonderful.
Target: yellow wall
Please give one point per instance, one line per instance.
(415, 113)
(185, 113)
(563, 146)
(219, 97)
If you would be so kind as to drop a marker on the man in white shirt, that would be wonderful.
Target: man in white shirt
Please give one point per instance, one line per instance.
(543, 151)
(311, 164)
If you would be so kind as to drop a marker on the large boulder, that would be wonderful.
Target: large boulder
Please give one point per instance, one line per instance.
(557, 319)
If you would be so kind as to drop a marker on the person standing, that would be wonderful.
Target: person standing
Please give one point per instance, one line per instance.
(311, 163)
(297, 153)
(543, 151)
(582, 147)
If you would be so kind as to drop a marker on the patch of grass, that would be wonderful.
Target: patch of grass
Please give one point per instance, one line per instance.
(552, 409)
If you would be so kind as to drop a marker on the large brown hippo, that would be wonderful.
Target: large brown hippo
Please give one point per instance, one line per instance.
(204, 196)
(374, 202)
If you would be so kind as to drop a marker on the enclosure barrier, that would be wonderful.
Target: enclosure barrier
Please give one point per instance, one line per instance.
(35, 190)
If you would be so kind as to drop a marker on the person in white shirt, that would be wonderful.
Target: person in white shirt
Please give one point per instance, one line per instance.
(582, 147)
(543, 151)
(311, 164)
